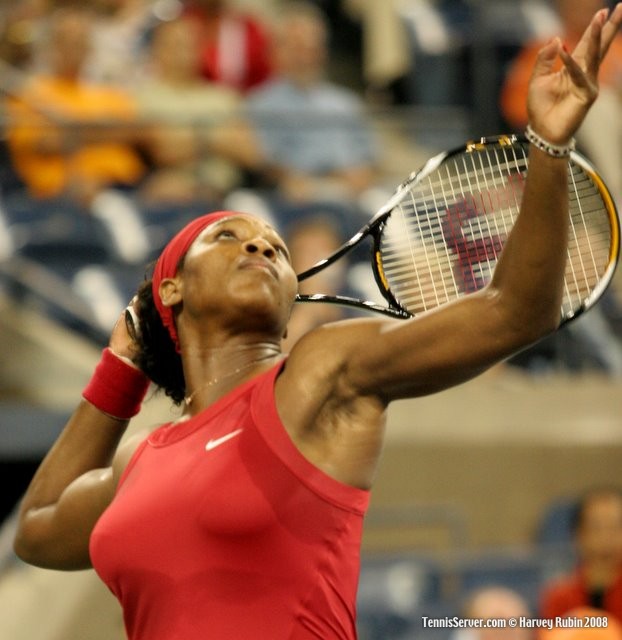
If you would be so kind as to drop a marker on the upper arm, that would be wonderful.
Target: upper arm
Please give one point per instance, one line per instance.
(56, 536)
(395, 359)
(339, 378)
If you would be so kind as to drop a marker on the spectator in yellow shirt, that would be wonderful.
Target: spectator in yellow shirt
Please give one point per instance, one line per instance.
(69, 138)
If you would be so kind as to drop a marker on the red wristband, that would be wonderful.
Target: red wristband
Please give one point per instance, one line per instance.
(116, 387)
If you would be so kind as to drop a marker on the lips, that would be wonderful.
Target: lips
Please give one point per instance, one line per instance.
(259, 263)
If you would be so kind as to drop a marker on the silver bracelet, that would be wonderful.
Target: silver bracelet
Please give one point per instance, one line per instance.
(555, 150)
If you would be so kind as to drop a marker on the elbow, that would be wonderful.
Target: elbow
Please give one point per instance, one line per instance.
(29, 547)
(35, 544)
(37, 555)
(25, 548)
(533, 334)
(528, 323)
(551, 323)
(536, 321)
(545, 318)
(533, 328)
(49, 556)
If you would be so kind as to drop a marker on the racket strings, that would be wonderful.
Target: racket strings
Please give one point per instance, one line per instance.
(589, 241)
(447, 236)
(444, 237)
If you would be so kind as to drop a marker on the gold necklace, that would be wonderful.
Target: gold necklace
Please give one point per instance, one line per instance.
(188, 399)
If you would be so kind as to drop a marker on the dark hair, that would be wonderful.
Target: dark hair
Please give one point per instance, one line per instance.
(156, 354)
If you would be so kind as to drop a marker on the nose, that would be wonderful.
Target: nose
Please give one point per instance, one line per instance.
(261, 246)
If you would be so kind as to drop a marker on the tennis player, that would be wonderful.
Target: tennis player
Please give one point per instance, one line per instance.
(243, 518)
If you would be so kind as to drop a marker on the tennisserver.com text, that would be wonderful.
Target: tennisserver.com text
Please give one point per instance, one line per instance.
(521, 622)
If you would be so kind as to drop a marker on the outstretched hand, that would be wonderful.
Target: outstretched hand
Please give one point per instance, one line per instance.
(558, 101)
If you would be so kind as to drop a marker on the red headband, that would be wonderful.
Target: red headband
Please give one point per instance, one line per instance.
(166, 266)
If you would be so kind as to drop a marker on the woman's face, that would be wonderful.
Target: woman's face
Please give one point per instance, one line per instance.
(239, 264)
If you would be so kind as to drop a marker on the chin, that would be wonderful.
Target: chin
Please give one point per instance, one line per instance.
(259, 314)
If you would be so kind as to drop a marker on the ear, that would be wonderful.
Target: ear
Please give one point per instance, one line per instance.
(170, 292)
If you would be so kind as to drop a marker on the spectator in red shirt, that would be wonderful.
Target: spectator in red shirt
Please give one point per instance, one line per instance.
(235, 46)
(597, 580)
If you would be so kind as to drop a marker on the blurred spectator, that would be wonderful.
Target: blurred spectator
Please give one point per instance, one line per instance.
(194, 137)
(120, 35)
(234, 45)
(574, 16)
(56, 138)
(440, 35)
(445, 52)
(313, 135)
(589, 343)
(602, 144)
(386, 52)
(495, 602)
(20, 27)
(612, 630)
(597, 580)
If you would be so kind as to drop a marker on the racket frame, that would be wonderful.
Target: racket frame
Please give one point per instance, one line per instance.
(374, 228)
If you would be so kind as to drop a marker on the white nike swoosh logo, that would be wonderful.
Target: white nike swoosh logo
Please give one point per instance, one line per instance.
(216, 442)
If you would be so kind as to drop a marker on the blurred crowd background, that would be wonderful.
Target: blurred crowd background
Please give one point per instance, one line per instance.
(122, 119)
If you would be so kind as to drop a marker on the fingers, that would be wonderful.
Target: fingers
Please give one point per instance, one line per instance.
(132, 321)
(610, 29)
(547, 57)
(591, 40)
(585, 80)
(558, 101)
(126, 332)
(584, 63)
(594, 43)
(600, 34)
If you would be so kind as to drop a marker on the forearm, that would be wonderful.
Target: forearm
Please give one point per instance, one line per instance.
(529, 274)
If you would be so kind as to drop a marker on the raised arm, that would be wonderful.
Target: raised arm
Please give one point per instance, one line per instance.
(339, 378)
(76, 480)
(395, 359)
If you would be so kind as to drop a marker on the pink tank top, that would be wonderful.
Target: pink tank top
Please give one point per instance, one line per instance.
(220, 529)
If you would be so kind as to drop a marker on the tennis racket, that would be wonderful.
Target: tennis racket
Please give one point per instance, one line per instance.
(440, 235)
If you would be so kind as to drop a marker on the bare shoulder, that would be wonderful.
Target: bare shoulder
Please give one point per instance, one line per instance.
(319, 375)
(326, 353)
(335, 426)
